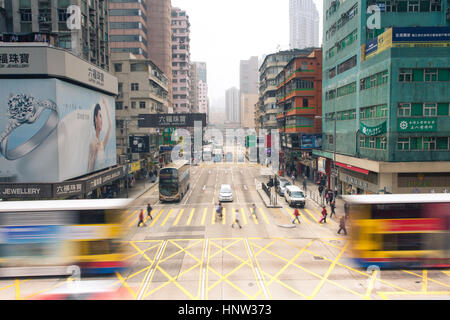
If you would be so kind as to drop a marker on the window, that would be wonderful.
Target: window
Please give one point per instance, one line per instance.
(141, 104)
(383, 111)
(305, 102)
(117, 67)
(346, 65)
(383, 143)
(429, 109)
(443, 143)
(135, 87)
(403, 144)
(404, 109)
(413, 6)
(133, 104)
(138, 67)
(405, 75)
(430, 75)
(429, 143)
(119, 105)
(362, 142)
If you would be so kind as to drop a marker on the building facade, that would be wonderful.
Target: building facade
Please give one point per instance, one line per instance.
(181, 61)
(385, 97)
(40, 21)
(159, 34)
(299, 100)
(143, 88)
(248, 76)
(272, 65)
(232, 106)
(128, 23)
(194, 89)
(303, 24)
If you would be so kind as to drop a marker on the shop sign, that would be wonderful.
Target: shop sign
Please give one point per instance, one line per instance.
(373, 131)
(68, 188)
(15, 60)
(135, 166)
(28, 191)
(417, 124)
(171, 120)
(103, 179)
(356, 182)
(321, 164)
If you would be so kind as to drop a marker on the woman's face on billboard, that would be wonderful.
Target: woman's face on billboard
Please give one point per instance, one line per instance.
(98, 121)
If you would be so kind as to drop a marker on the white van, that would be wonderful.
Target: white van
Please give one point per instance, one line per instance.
(295, 196)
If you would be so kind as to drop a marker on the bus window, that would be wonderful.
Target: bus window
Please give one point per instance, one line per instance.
(402, 241)
(91, 217)
(168, 182)
(397, 211)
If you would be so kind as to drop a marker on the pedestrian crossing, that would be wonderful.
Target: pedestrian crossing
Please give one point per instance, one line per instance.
(172, 217)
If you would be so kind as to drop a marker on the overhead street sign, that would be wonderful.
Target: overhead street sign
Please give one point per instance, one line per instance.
(164, 120)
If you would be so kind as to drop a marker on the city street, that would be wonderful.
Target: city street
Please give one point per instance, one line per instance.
(183, 252)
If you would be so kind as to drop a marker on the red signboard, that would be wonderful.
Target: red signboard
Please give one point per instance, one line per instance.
(349, 167)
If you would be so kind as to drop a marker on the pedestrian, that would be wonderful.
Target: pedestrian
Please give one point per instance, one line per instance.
(320, 189)
(335, 191)
(141, 218)
(219, 210)
(236, 219)
(253, 209)
(324, 215)
(327, 197)
(293, 179)
(149, 211)
(342, 225)
(304, 184)
(331, 196)
(296, 215)
(332, 206)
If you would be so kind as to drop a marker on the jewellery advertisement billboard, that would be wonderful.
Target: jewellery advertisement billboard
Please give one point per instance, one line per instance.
(52, 131)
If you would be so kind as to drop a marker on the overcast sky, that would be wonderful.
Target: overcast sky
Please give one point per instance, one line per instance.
(225, 32)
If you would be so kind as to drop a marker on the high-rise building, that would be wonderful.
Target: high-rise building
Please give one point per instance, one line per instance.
(202, 87)
(303, 24)
(46, 21)
(201, 67)
(248, 75)
(159, 38)
(193, 95)
(272, 65)
(232, 106)
(386, 103)
(180, 61)
(128, 23)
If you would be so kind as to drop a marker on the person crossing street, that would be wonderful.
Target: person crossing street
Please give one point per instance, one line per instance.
(236, 219)
(253, 211)
(324, 215)
(149, 211)
(342, 225)
(296, 216)
(332, 207)
(141, 219)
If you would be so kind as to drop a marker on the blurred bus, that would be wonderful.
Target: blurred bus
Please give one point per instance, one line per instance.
(207, 153)
(400, 231)
(44, 238)
(174, 181)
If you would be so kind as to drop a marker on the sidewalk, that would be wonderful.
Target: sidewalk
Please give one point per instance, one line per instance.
(312, 192)
(139, 188)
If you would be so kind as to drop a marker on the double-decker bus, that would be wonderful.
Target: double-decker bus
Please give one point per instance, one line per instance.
(46, 238)
(174, 181)
(400, 231)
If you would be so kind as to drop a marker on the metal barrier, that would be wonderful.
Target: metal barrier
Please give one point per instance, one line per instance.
(266, 189)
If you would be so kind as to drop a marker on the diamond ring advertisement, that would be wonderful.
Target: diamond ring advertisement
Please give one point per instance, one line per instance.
(24, 109)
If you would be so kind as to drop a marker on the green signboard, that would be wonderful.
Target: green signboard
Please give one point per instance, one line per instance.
(417, 124)
(373, 131)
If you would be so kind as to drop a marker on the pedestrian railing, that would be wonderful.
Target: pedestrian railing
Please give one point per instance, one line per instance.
(316, 197)
(266, 189)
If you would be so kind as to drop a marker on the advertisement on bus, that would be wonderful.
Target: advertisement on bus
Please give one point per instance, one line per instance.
(51, 130)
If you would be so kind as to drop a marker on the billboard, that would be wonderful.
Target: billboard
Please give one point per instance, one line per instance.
(311, 141)
(139, 144)
(51, 130)
(399, 37)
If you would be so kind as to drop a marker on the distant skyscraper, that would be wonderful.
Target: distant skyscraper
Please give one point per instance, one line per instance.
(303, 24)
(248, 74)
(232, 105)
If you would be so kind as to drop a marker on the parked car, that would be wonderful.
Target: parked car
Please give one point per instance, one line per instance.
(295, 196)
(225, 193)
(281, 187)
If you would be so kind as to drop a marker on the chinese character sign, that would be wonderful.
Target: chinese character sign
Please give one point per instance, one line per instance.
(417, 124)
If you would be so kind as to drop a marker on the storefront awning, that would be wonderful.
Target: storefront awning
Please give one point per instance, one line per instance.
(352, 168)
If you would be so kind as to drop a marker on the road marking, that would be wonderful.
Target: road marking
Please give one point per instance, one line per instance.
(204, 216)
(204, 270)
(330, 269)
(314, 218)
(156, 218)
(425, 280)
(188, 223)
(149, 275)
(264, 215)
(244, 218)
(256, 268)
(371, 284)
(167, 217)
(224, 214)
(145, 220)
(178, 217)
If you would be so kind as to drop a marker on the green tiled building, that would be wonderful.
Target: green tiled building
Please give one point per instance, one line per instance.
(386, 96)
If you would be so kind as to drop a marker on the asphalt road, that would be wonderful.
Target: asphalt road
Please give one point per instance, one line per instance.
(185, 253)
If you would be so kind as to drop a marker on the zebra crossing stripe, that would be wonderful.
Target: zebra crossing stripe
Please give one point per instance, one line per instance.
(204, 216)
(167, 218)
(264, 215)
(178, 217)
(157, 217)
(244, 218)
(188, 223)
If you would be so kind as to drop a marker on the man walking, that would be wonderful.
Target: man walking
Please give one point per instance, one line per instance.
(324, 215)
(236, 219)
(304, 184)
(293, 179)
(253, 209)
(296, 215)
(342, 225)
(141, 218)
(149, 211)
(332, 206)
